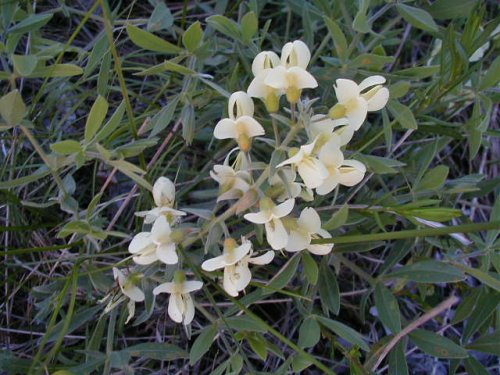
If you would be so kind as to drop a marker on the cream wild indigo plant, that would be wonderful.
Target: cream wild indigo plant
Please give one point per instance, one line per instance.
(257, 192)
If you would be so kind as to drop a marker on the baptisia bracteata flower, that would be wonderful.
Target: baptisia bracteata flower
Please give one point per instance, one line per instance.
(270, 214)
(326, 129)
(180, 303)
(291, 76)
(355, 103)
(129, 289)
(232, 184)
(306, 228)
(340, 171)
(262, 64)
(235, 262)
(164, 198)
(148, 247)
(240, 125)
(311, 170)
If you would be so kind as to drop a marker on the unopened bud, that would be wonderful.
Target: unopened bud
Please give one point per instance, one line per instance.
(164, 192)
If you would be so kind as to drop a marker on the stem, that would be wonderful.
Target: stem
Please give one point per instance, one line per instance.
(427, 232)
(276, 132)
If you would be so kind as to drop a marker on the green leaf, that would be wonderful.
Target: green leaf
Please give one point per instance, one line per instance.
(245, 323)
(338, 219)
(402, 114)
(309, 333)
(387, 308)
(23, 180)
(112, 124)
(449, 9)
(436, 345)
(492, 76)
(249, 26)
(371, 60)
(487, 278)
(66, 147)
(467, 306)
(131, 171)
(150, 42)
(486, 305)
(487, 344)
(417, 17)
(156, 350)
(31, 23)
(167, 66)
(258, 345)
(329, 289)
(379, 164)
(192, 37)
(419, 72)
(202, 343)
(310, 267)
(188, 122)
(429, 271)
(96, 117)
(161, 18)
(399, 89)
(57, 70)
(347, 333)
(397, 360)
(360, 22)
(12, 108)
(434, 178)
(24, 64)
(338, 37)
(281, 279)
(474, 367)
(225, 26)
(437, 214)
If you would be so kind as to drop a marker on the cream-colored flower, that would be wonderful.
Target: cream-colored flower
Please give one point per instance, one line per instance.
(235, 260)
(129, 289)
(164, 198)
(311, 170)
(180, 303)
(340, 171)
(282, 185)
(291, 80)
(354, 104)
(240, 125)
(270, 215)
(232, 184)
(295, 53)
(262, 64)
(148, 247)
(308, 227)
(326, 129)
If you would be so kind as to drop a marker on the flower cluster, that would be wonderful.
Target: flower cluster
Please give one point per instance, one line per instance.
(310, 160)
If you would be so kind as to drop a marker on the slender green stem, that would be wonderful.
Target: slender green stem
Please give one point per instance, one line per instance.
(426, 232)
(276, 132)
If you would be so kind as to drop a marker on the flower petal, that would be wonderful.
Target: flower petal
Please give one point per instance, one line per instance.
(160, 232)
(164, 288)
(378, 100)
(295, 54)
(257, 88)
(309, 220)
(265, 258)
(301, 78)
(276, 234)
(244, 276)
(312, 172)
(330, 155)
(295, 159)
(140, 241)
(214, 263)
(176, 307)
(228, 281)
(133, 292)
(225, 128)
(164, 192)
(260, 217)
(371, 81)
(264, 60)
(240, 104)
(188, 309)
(234, 256)
(328, 184)
(131, 310)
(345, 90)
(191, 286)
(298, 240)
(351, 172)
(167, 254)
(146, 257)
(249, 126)
(357, 113)
(321, 249)
(284, 208)
(277, 78)
(345, 133)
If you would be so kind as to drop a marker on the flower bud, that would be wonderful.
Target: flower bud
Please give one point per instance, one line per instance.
(179, 277)
(164, 192)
